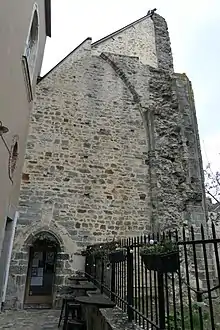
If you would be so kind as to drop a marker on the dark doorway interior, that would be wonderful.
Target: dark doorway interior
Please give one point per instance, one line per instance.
(41, 273)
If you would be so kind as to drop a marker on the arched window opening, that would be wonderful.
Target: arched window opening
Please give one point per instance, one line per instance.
(32, 44)
(13, 158)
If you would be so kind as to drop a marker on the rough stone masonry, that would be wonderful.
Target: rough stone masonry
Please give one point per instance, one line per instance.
(113, 150)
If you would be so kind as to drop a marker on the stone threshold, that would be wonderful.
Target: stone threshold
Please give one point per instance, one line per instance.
(37, 306)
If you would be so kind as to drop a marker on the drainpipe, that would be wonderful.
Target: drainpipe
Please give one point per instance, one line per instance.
(9, 259)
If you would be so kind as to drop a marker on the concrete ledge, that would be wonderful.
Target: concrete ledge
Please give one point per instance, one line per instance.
(109, 318)
(116, 319)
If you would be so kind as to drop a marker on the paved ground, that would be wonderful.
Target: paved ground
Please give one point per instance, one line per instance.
(29, 319)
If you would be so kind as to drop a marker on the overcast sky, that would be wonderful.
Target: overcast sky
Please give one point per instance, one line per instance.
(194, 27)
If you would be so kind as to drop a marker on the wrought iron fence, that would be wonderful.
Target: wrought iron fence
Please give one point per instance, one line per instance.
(187, 299)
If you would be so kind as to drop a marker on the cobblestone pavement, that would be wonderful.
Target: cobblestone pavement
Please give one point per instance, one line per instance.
(30, 319)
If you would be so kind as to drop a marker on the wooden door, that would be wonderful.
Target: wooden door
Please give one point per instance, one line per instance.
(41, 274)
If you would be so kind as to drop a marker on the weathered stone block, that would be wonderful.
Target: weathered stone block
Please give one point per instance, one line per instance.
(20, 280)
(59, 280)
(63, 256)
(18, 270)
(21, 255)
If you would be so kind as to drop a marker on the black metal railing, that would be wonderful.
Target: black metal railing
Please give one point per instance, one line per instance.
(189, 298)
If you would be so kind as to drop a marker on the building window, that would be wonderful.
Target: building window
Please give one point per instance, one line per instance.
(32, 43)
(27, 78)
(13, 158)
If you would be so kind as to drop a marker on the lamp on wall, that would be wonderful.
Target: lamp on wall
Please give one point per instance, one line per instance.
(4, 130)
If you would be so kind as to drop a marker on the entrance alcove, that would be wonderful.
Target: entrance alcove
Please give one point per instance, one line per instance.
(44, 248)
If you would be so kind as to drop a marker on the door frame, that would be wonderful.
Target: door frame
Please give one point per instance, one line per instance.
(41, 299)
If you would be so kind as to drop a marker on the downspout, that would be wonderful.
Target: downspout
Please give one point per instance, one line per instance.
(9, 259)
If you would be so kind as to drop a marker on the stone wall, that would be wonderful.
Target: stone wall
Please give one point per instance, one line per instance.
(193, 151)
(137, 40)
(163, 47)
(214, 218)
(109, 319)
(112, 152)
(175, 158)
(86, 154)
(148, 39)
(85, 174)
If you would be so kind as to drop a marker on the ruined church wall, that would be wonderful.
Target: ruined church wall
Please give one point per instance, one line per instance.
(112, 151)
(147, 39)
(85, 175)
(174, 156)
(196, 209)
(86, 155)
(108, 154)
(138, 40)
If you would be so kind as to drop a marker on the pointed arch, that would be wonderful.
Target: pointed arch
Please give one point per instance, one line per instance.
(45, 235)
(32, 42)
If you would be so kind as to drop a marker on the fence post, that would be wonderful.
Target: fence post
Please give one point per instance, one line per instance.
(88, 267)
(130, 285)
(102, 275)
(94, 268)
(113, 282)
(161, 301)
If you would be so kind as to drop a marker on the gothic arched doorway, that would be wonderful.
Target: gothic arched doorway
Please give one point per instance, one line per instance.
(41, 270)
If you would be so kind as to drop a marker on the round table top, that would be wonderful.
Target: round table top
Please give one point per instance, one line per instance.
(83, 286)
(77, 278)
(98, 300)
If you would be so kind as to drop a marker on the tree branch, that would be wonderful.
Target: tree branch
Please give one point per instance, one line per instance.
(210, 194)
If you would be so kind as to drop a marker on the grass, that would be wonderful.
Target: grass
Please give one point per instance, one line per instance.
(172, 325)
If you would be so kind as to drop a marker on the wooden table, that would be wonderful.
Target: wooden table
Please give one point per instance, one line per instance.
(83, 286)
(78, 278)
(98, 300)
